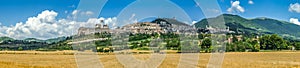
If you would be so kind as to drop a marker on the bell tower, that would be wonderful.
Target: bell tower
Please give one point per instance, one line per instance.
(102, 23)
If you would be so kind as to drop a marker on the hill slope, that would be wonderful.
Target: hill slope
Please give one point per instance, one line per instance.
(254, 26)
(5, 39)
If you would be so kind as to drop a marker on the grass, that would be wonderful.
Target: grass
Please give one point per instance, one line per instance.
(231, 60)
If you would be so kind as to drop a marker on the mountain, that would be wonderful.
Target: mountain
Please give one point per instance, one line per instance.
(239, 24)
(33, 39)
(170, 21)
(56, 40)
(30, 40)
(31, 43)
(5, 39)
(278, 27)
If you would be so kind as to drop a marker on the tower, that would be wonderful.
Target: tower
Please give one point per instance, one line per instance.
(102, 23)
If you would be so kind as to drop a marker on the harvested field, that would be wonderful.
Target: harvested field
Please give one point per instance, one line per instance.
(231, 60)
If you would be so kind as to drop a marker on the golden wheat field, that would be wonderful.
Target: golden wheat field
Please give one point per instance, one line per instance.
(231, 60)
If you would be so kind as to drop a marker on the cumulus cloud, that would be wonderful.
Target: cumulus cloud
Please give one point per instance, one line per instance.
(250, 2)
(45, 26)
(295, 21)
(236, 7)
(294, 8)
(108, 21)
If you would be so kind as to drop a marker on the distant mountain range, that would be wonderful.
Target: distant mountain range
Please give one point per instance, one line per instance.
(169, 20)
(257, 26)
(237, 24)
(48, 41)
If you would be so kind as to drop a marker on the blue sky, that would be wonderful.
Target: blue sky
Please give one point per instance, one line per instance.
(14, 11)
(277, 9)
(28, 18)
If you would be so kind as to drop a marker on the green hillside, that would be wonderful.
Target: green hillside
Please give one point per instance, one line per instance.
(258, 26)
(278, 27)
(5, 39)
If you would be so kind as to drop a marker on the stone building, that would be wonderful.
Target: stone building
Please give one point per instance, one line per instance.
(144, 27)
(98, 29)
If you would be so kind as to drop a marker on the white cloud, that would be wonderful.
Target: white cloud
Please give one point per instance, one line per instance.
(88, 13)
(294, 8)
(45, 26)
(295, 21)
(194, 22)
(236, 7)
(109, 21)
(77, 13)
(250, 2)
(46, 16)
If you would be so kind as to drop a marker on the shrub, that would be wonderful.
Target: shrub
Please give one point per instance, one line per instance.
(143, 48)
(20, 48)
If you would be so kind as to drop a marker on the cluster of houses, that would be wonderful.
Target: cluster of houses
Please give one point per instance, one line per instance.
(99, 28)
(162, 25)
(144, 27)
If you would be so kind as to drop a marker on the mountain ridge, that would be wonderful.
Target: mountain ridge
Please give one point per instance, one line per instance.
(257, 25)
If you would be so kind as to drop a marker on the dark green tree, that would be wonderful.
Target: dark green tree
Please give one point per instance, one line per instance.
(206, 44)
(272, 42)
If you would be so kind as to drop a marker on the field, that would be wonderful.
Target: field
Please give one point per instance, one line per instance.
(231, 60)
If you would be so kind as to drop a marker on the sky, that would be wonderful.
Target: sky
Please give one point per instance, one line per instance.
(44, 19)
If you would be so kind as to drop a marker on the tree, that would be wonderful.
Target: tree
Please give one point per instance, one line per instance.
(296, 45)
(20, 48)
(277, 42)
(264, 42)
(234, 39)
(203, 36)
(272, 42)
(240, 46)
(229, 47)
(206, 44)
(248, 45)
(255, 47)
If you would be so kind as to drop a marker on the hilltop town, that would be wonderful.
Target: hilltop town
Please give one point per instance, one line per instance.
(161, 25)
